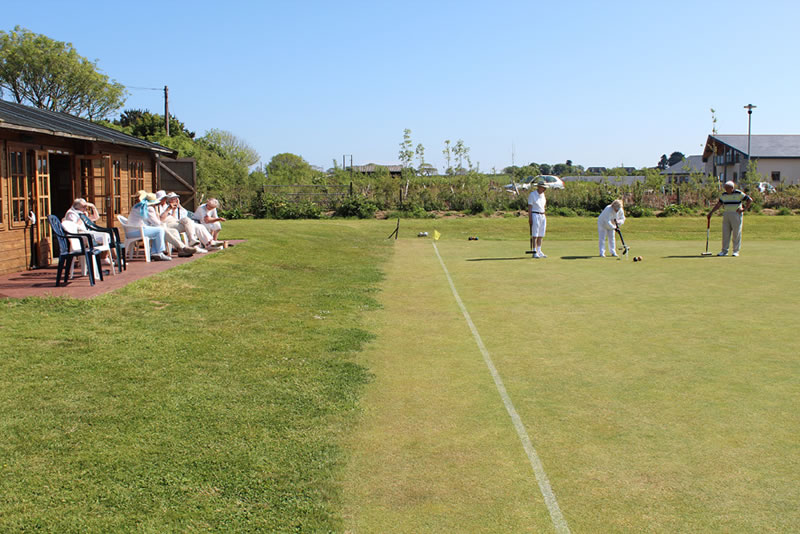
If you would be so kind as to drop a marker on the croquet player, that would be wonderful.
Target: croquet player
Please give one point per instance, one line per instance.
(610, 218)
(536, 218)
(732, 216)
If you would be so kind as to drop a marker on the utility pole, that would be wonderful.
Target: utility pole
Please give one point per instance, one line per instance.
(166, 108)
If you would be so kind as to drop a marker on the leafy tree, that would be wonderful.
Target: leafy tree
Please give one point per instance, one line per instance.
(420, 152)
(663, 163)
(289, 168)
(461, 153)
(675, 157)
(448, 154)
(51, 75)
(406, 149)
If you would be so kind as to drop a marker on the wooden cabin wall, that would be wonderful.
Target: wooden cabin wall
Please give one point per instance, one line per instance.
(136, 171)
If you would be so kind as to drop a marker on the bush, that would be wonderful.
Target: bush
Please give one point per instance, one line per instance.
(356, 206)
(275, 207)
(639, 211)
(563, 211)
(784, 211)
(676, 210)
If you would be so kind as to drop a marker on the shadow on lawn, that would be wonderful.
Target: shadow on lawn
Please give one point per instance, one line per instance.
(578, 257)
(693, 256)
(497, 259)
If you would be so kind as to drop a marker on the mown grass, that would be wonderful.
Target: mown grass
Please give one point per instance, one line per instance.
(209, 398)
(661, 396)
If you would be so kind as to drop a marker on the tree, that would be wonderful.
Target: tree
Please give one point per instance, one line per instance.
(675, 157)
(461, 153)
(406, 149)
(289, 168)
(448, 154)
(51, 75)
(420, 152)
(662, 163)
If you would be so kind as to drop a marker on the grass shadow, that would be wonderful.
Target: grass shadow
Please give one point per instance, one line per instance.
(498, 259)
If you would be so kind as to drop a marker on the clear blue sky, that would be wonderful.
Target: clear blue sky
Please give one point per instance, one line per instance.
(600, 83)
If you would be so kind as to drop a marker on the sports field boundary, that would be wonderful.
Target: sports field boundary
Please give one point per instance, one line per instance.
(559, 522)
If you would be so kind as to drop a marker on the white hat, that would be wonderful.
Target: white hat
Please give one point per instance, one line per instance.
(160, 195)
(730, 184)
(172, 195)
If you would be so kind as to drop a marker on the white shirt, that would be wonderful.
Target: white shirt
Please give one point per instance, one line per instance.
(135, 217)
(608, 216)
(202, 212)
(537, 202)
(74, 215)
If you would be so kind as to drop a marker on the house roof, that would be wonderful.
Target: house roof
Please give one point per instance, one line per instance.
(761, 146)
(18, 117)
(372, 167)
(686, 166)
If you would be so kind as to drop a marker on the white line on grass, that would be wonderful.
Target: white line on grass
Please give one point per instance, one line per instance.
(556, 516)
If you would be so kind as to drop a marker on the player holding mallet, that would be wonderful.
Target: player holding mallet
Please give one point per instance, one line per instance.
(537, 220)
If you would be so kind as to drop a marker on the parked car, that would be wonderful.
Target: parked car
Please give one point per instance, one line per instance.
(553, 182)
(765, 187)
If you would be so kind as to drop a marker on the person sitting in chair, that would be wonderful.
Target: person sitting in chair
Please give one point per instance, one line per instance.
(143, 212)
(73, 215)
(174, 216)
(206, 214)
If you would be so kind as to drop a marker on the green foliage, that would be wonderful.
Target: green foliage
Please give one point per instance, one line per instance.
(676, 210)
(356, 206)
(274, 207)
(286, 169)
(639, 211)
(784, 211)
(51, 75)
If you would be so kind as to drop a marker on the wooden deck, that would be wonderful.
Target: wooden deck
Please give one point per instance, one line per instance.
(42, 282)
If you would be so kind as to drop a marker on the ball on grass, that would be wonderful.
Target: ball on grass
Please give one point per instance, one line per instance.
(636, 258)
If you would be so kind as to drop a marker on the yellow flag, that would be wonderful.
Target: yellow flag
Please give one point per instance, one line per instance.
(436, 235)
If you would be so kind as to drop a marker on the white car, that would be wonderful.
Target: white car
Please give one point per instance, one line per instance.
(765, 187)
(553, 182)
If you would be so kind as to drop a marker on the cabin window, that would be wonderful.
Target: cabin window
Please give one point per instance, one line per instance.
(116, 169)
(18, 191)
(135, 180)
(776, 176)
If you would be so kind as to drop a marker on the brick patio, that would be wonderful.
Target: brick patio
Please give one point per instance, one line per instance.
(42, 282)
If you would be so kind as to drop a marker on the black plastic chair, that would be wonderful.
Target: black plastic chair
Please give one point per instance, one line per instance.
(115, 241)
(65, 256)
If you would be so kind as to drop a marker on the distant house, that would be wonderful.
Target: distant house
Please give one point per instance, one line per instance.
(47, 159)
(679, 172)
(596, 170)
(612, 180)
(371, 168)
(778, 157)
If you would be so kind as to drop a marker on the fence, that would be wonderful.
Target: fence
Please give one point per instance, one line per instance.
(323, 195)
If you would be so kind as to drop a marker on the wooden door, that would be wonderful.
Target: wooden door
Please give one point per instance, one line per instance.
(94, 184)
(41, 188)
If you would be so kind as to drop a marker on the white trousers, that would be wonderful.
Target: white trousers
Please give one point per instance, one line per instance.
(731, 229)
(604, 234)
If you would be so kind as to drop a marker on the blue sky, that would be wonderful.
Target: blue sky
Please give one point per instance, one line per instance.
(600, 83)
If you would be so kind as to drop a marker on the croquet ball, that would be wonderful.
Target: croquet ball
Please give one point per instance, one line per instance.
(471, 238)
(636, 258)
(639, 258)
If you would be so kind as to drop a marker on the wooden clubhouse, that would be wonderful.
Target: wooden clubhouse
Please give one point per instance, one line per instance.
(47, 159)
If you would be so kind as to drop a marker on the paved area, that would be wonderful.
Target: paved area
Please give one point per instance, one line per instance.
(42, 282)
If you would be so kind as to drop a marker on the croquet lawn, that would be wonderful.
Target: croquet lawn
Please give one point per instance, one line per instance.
(660, 396)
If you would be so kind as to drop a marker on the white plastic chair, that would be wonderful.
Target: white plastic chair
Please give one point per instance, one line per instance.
(134, 235)
(74, 244)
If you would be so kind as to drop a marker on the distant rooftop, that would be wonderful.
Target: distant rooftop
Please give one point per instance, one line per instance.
(761, 146)
(686, 166)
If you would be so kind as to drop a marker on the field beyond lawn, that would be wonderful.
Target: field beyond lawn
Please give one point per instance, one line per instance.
(321, 378)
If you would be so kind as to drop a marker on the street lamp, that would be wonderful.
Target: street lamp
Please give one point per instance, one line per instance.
(749, 108)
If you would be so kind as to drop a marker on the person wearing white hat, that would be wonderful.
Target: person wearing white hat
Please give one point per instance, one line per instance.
(732, 216)
(537, 220)
(143, 213)
(174, 216)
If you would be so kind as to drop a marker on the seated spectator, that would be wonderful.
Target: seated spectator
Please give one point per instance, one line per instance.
(174, 216)
(73, 215)
(143, 212)
(206, 214)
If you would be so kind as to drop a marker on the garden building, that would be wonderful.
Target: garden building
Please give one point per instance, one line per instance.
(777, 157)
(47, 159)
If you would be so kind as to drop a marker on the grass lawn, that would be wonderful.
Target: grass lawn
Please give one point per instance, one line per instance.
(322, 378)
(661, 396)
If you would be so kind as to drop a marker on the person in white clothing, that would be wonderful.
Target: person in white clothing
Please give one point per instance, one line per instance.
(146, 213)
(609, 220)
(73, 215)
(537, 220)
(174, 216)
(206, 214)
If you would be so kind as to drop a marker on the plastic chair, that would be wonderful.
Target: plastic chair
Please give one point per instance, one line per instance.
(134, 235)
(115, 240)
(84, 249)
(71, 227)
